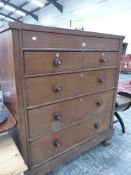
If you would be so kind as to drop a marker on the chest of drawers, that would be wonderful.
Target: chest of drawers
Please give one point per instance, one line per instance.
(60, 85)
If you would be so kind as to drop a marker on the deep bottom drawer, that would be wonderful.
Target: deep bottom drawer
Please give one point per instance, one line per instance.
(51, 145)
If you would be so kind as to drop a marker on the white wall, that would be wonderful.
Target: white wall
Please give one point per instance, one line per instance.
(106, 16)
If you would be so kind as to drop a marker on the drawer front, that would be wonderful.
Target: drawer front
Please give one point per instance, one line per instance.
(51, 62)
(100, 59)
(53, 117)
(53, 40)
(42, 90)
(50, 145)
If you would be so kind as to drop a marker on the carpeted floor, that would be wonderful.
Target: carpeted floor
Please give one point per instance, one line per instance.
(112, 160)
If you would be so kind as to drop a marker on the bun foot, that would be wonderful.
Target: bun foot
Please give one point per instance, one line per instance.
(107, 142)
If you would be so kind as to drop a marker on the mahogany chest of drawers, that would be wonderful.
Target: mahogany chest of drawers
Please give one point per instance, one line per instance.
(60, 85)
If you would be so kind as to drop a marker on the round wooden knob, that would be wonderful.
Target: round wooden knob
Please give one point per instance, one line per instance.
(103, 59)
(57, 116)
(99, 103)
(57, 143)
(101, 80)
(57, 62)
(57, 89)
(97, 125)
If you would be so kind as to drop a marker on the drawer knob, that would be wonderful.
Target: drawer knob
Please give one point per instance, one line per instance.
(57, 143)
(57, 116)
(103, 59)
(101, 80)
(99, 103)
(57, 62)
(58, 89)
(97, 125)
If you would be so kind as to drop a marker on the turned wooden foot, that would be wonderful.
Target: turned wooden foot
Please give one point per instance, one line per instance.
(107, 142)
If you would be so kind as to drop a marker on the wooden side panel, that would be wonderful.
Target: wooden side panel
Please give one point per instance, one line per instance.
(11, 85)
(8, 84)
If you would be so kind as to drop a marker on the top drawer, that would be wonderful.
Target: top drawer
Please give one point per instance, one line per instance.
(55, 40)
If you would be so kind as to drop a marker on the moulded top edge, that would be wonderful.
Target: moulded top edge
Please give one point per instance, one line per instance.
(32, 27)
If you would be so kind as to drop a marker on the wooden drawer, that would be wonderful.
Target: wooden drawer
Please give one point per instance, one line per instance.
(51, 62)
(53, 117)
(55, 40)
(100, 59)
(42, 90)
(50, 145)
